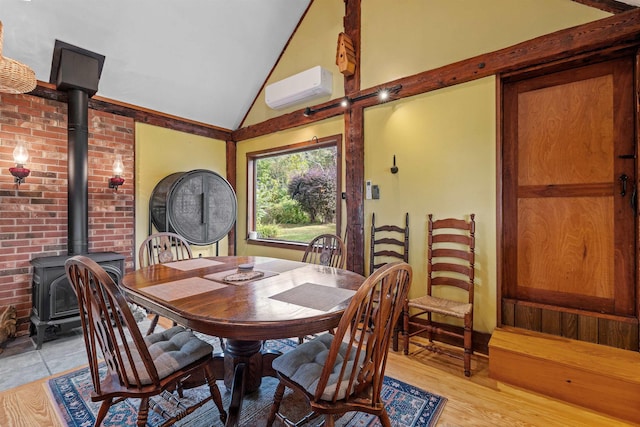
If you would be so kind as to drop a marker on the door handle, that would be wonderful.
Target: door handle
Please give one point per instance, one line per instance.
(202, 212)
(623, 184)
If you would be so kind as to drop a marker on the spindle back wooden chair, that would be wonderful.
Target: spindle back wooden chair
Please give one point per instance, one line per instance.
(136, 367)
(326, 249)
(163, 247)
(160, 248)
(343, 372)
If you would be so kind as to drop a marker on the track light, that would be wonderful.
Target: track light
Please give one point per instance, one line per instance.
(383, 94)
(309, 111)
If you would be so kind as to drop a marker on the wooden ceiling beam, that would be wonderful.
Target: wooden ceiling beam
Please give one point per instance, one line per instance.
(354, 147)
(617, 30)
(611, 6)
(138, 114)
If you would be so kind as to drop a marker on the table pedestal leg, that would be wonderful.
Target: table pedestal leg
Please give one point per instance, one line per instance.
(247, 352)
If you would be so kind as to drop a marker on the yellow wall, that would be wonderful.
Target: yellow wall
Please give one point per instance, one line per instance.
(161, 152)
(421, 35)
(444, 141)
(314, 43)
(414, 36)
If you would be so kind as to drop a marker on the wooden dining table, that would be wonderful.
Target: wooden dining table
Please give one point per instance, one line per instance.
(246, 300)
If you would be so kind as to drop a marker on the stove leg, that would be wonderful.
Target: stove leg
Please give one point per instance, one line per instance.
(39, 328)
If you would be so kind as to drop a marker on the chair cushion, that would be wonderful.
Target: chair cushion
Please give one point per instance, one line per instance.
(304, 365)
(171, 350)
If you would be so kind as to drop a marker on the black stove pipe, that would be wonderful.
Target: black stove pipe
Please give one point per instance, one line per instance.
(77, 71)
(78, 187)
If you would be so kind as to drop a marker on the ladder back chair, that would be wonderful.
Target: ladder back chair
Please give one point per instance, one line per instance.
(326, 249)
(450, 264)
(344, 372)
(136, 366)
(388, 241)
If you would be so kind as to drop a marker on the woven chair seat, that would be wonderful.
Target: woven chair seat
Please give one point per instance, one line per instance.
(450, 265)
(441, 306)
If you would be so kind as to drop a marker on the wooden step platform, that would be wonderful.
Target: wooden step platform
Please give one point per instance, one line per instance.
(601, 378)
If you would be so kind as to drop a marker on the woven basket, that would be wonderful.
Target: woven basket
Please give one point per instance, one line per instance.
(15, 77)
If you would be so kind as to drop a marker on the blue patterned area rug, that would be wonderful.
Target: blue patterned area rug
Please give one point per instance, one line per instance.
(407, 405)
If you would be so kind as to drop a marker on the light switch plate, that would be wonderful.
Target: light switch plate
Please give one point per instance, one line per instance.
(375, 192)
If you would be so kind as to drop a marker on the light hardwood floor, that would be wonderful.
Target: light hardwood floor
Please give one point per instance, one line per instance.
(474, 401)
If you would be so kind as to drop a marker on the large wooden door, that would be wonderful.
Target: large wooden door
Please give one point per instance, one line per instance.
(568, 203)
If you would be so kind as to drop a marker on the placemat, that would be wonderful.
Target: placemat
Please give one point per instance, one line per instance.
(315, 296)
(182, 288)
(280, 265)
(220, 276)
(192, 264)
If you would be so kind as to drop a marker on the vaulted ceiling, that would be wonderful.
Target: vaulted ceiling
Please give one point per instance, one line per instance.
(202, 60)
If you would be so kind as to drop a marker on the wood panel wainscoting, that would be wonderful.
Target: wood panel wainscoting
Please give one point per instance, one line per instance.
(605, 329)
(594, 376)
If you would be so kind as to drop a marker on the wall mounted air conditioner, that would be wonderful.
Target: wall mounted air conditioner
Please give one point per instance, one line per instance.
(305, 86)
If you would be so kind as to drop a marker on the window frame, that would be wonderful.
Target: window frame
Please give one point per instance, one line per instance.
(252, 157)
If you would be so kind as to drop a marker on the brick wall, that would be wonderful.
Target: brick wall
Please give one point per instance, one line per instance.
(33, 216)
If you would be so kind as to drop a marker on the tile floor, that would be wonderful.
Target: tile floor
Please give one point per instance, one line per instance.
(21, 363)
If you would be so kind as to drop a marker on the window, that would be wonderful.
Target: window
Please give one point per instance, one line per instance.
(294, 191)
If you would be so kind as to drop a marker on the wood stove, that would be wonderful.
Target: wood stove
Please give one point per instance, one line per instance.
(55, 306)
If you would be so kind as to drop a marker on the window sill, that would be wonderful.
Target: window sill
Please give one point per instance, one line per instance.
(277, 244)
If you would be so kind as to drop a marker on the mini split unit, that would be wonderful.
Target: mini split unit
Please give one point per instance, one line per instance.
(305, 86)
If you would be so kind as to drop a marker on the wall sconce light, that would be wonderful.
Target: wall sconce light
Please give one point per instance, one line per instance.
(118, 169)
(394, 168)
(20, 156)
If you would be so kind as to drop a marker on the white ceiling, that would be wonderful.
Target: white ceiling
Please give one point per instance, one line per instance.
(204, 60)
